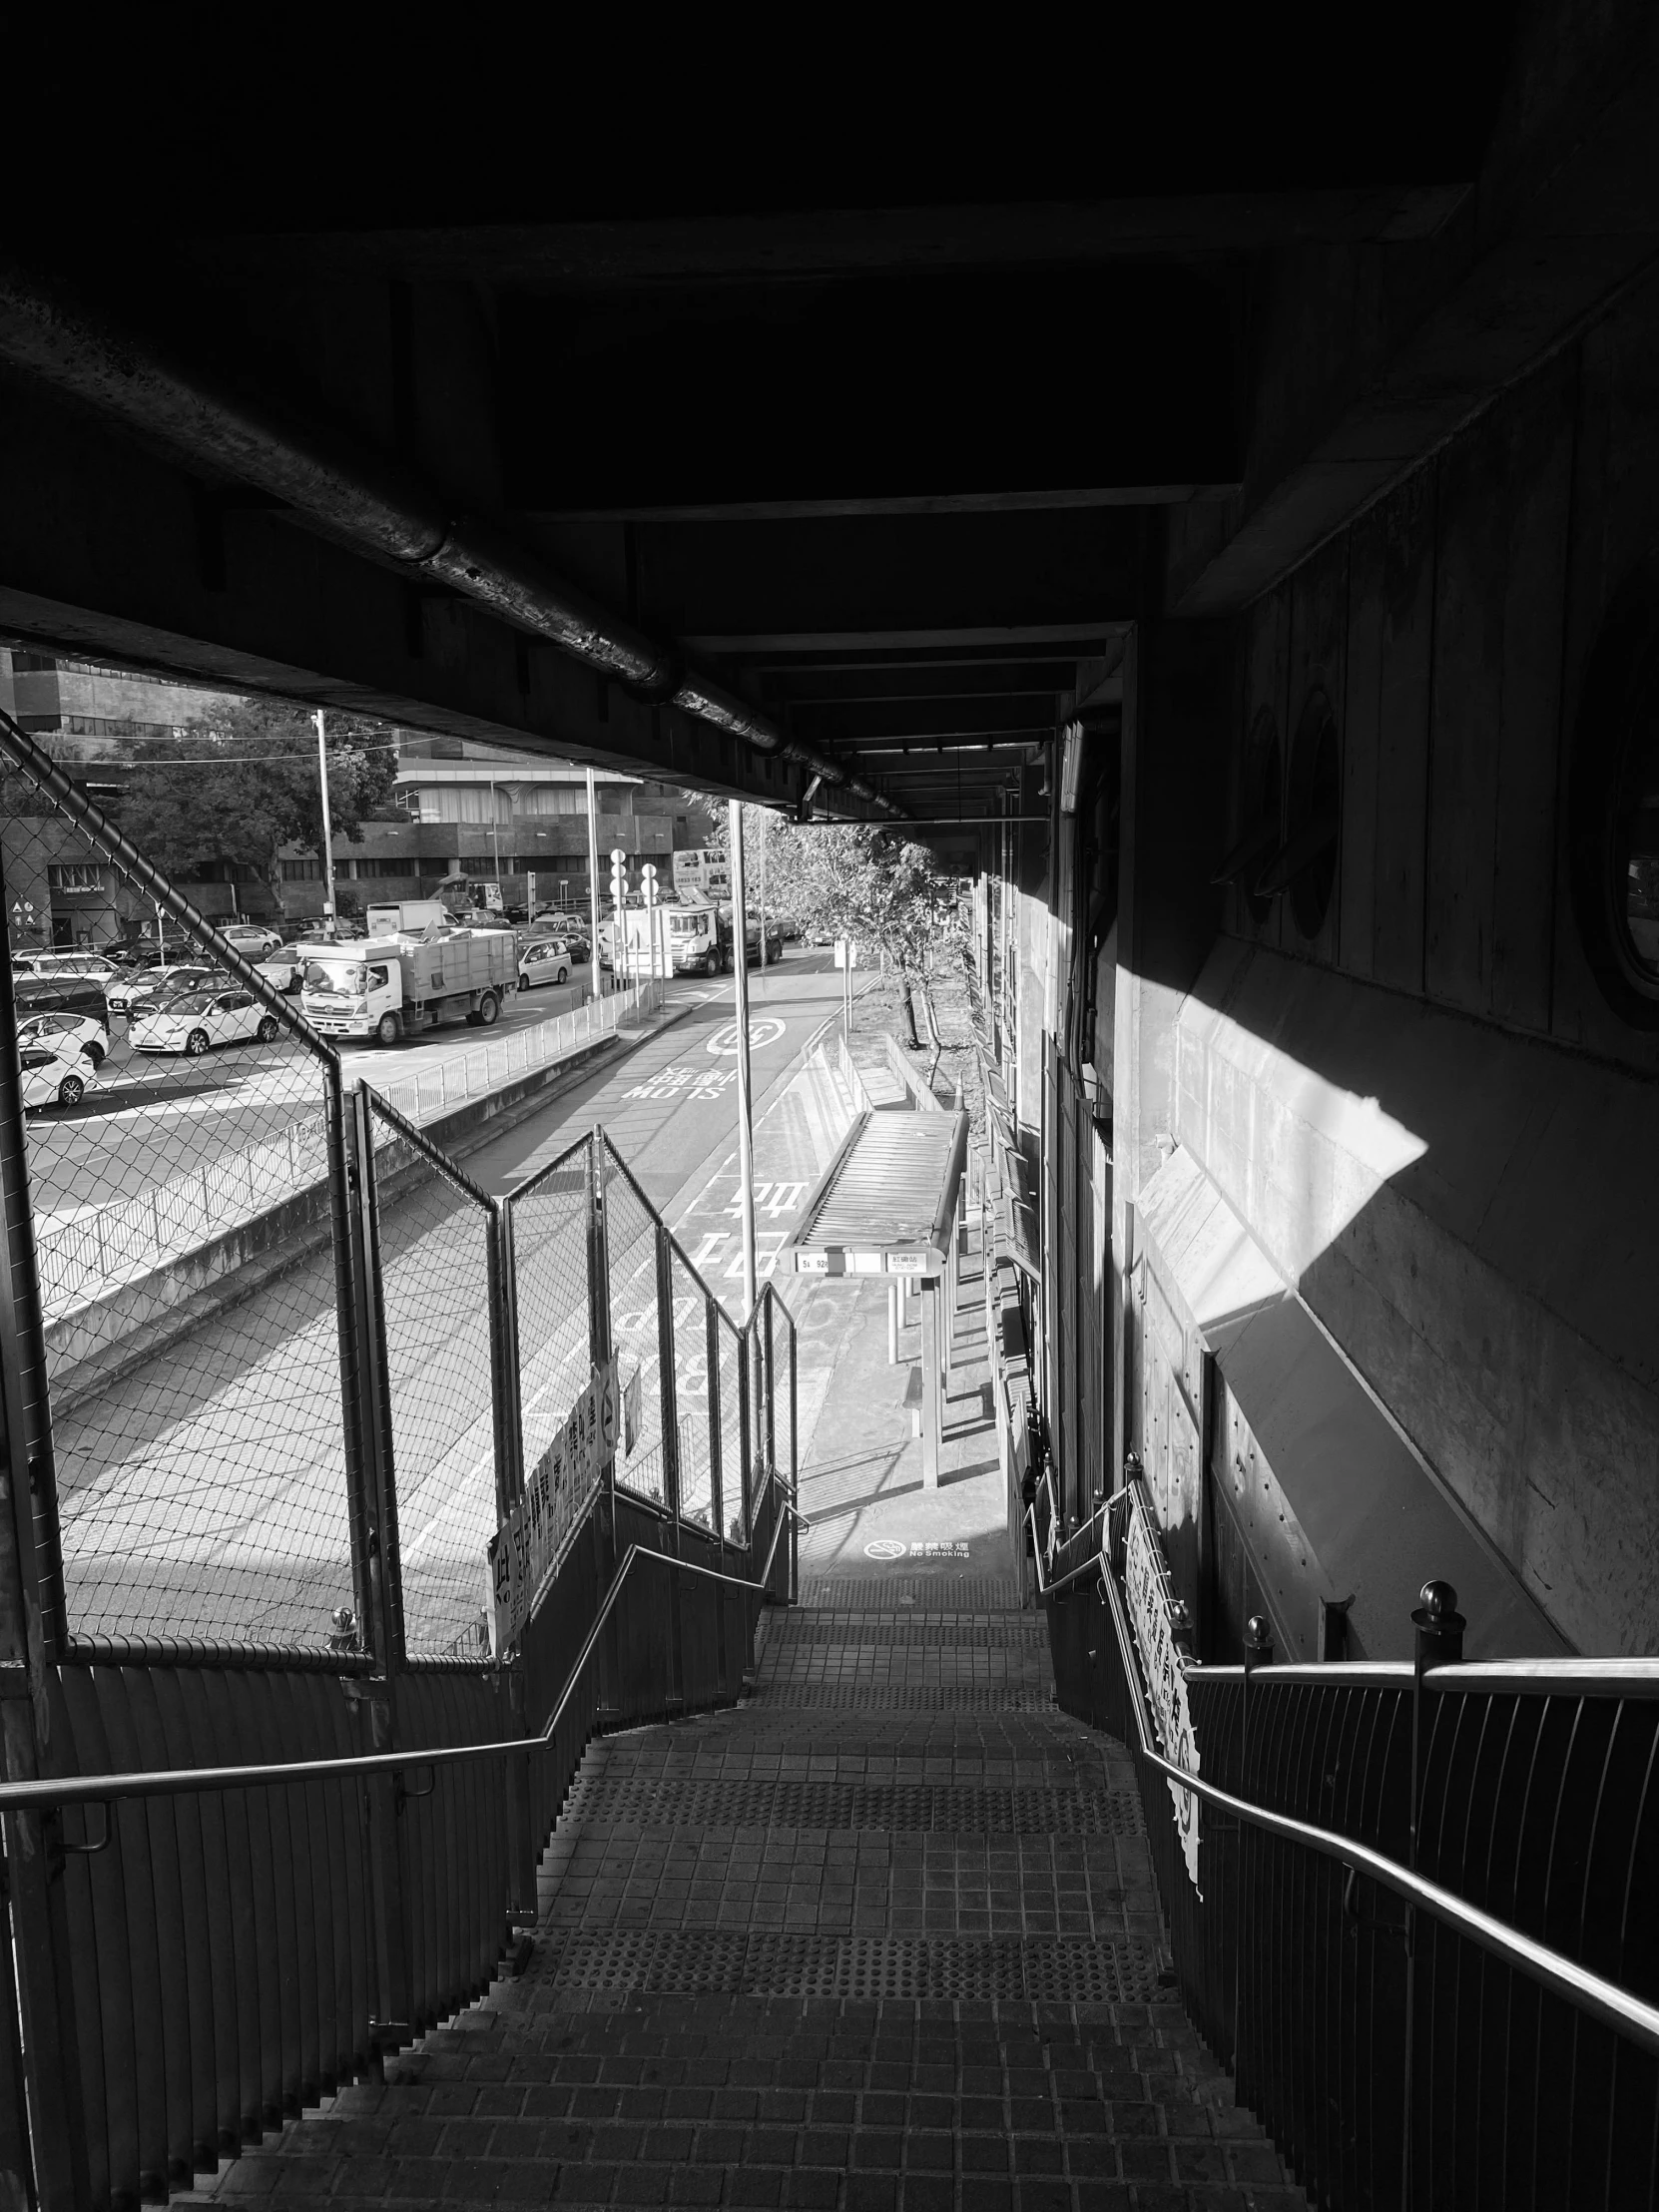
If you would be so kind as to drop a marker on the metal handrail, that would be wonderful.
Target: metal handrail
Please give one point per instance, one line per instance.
(1606, 2001)
(93, 1789)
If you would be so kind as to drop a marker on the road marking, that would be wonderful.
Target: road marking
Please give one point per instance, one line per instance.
(761, 1034)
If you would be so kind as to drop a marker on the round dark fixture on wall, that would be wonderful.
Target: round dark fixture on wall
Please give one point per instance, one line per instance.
(1306, 864)
(1613, 810)
(1261, 798)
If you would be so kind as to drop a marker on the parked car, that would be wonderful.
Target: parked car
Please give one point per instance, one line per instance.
(544, 960)
(67, 968)
(54, 1072)
(73, 994)
(89, 1033)
(250, 938)
(198, 1021)
(581, 953)
(138, 993)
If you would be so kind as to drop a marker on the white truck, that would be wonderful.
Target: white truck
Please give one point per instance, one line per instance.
(393, 985)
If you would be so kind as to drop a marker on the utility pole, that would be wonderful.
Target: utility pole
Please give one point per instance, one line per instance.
(329, 909)
(746, 1130)
(593, 892)
(762, 899)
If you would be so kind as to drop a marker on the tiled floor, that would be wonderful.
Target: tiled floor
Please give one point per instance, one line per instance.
(871, 1958)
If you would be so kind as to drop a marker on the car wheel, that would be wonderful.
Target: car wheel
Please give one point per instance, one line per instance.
(94, 1054)
(195, 1043)
(487, 1010)
(385, 1029)
(563, 976)
(268, 1029)
(71, 1091)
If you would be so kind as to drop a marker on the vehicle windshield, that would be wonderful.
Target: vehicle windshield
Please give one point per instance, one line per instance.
(189, 1002)
(349, 982)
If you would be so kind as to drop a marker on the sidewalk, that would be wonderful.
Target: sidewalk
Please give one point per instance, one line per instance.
(861, 1465)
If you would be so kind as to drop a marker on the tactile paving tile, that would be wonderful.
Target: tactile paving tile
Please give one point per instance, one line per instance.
(750, 1963)
(881, 1697)
(620, 1797)
(881, 1632)
(950, 1593)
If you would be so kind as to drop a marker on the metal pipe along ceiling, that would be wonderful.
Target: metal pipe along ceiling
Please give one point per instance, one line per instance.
(367, 502)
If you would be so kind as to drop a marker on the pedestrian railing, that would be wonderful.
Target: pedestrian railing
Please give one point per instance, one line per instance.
(1410, 1905)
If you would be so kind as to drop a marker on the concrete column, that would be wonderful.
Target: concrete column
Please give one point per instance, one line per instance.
(932, 1393)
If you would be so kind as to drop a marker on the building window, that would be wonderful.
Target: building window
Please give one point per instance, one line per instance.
(74, 875)
(396, 867)
(301, 871)
(33, 663)
(40, 725)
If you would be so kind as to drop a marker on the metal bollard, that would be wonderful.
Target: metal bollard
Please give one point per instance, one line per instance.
(1440, 1627)
(892, 1323)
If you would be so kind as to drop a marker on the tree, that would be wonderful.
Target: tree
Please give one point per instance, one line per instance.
(246, 785)
(861, 881)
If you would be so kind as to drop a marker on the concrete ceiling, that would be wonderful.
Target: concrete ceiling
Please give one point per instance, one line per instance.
(891, 458)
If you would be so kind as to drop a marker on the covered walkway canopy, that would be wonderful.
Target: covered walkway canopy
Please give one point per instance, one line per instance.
(888, 1204)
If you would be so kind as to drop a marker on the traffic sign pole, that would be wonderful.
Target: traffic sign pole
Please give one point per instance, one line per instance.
(596, 976)
(745, 1129)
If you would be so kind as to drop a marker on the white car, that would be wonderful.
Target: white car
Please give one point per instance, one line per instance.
(252, 942)
(544, 960)
(88, 1033)
(54, 1072)
(67, 968)
(201, 1019)
(283, 969)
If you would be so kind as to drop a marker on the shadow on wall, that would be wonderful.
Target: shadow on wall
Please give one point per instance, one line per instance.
(1468, 1220)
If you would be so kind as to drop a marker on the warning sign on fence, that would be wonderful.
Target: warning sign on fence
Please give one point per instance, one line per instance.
(555, 1491)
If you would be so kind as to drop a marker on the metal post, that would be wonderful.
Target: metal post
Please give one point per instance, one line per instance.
(328, 832)
(44, 2020)
(745, 1449)
(360, 1482)
(385, 1550)
(666, 1375)
(746, 1133)
(794, 1477)
(505, 1394)
(1438, 1628)
(931, 1420)
(763, 901)
(28, 1319)
(596, 976)
(717, 1506)
(893, 1323)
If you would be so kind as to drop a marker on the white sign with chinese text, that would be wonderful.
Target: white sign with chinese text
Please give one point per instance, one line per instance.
(556, 1488)
(1164, 1668)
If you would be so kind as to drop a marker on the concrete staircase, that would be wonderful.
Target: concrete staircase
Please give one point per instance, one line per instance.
(885, 1938)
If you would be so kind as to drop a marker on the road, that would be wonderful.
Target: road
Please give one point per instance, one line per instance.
(149, 1117)
(204, 1494)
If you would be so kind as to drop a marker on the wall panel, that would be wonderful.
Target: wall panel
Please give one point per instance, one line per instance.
(1408, 624)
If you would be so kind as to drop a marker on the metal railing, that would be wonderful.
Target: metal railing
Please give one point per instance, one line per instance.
(1504, 1810)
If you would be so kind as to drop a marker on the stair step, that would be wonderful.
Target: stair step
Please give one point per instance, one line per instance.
(903, 1956)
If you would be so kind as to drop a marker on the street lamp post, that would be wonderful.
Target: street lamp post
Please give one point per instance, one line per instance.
(746, 1130)
(597, 974)
(328, 908)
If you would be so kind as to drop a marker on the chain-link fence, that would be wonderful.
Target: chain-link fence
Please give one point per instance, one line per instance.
(176, 1136)
(434, 1231)
(551, 1219)
(254, 1376)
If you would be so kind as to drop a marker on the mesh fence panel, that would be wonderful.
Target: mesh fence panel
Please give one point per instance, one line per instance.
(631, 1247)
(434, 1273)
(550, 1257)
(176, 1141)
(691, 1384)
(734, 1486)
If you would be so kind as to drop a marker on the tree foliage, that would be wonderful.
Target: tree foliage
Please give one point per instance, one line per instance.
(858, 881)
(242, 787)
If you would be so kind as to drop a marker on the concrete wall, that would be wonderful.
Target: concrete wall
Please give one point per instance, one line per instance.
(1428, 1112)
